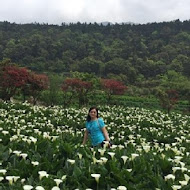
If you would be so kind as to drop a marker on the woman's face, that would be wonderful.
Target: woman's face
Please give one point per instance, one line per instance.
(93, 114)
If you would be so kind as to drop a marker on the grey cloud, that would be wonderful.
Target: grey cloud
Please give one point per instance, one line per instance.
(58, 11)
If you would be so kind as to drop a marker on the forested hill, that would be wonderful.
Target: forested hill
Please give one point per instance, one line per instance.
(126, 50)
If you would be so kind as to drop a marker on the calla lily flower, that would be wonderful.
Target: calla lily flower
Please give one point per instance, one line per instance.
(133, 156)
(27, 187)
(39, 188)
(35, 163)
(94, 160)
(106, 144)
(23, 180)
(169, 176)
(124, 158)
(3, 171)
(104, 159)
(99, 161)
(64, 177)
(58, 181)
(23, 155)
(183, 183)
(43, 174)
(34, 140)
(101, 151)
(175, 169)
(96, 176)
(55, 188)
(122, 188)
(17, 152)
(111, 154)
(1, 178)
(176, 187)
(120, 146)
(146, 148)
(5, 132)
(10, 179)
(178, 158)
(15, 178)
(113, 146)
(71, 161)
(186, 177)
(79, 155)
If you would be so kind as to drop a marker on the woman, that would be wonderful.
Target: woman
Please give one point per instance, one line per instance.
(95, 127)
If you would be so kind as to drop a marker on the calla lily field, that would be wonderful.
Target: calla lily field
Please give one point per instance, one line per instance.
(41, 148)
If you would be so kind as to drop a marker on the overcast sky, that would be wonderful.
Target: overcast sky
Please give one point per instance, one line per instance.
(59, 11)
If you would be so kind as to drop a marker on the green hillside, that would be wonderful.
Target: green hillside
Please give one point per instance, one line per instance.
(145, 57)
(131, 51)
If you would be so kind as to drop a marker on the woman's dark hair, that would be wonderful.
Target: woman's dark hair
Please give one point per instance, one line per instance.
(88, 116)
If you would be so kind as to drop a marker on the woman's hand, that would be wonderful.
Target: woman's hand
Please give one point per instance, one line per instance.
(85, 137)
(104, 131)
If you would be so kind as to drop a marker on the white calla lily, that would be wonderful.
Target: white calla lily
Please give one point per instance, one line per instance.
(121, 188)
(58, 181)
(124, 158)
(96, 176)
(39, 188)
(43, 174)
(27, 187)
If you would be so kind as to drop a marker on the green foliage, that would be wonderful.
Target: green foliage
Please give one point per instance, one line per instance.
(88, 77)
(147, 50)
(174, 80)
(145, 56)
(168, 98)
(53, 96)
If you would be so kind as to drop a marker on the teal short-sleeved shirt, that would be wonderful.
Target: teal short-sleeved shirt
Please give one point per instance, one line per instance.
(94, 128)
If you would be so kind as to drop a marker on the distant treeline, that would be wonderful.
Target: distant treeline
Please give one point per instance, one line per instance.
(131, 53)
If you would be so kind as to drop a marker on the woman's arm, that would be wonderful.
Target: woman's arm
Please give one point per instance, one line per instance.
(85, 137)
(105, 132)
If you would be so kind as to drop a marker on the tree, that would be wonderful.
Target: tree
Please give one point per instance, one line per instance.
(89, 65)
(168, 99)
(150, 68)
(12, 79)
(119, 66)
(53, 95)
(35, 84)
(88, 77)
(76, 88)
(112, 87)
(175, 81)
(4, 63)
